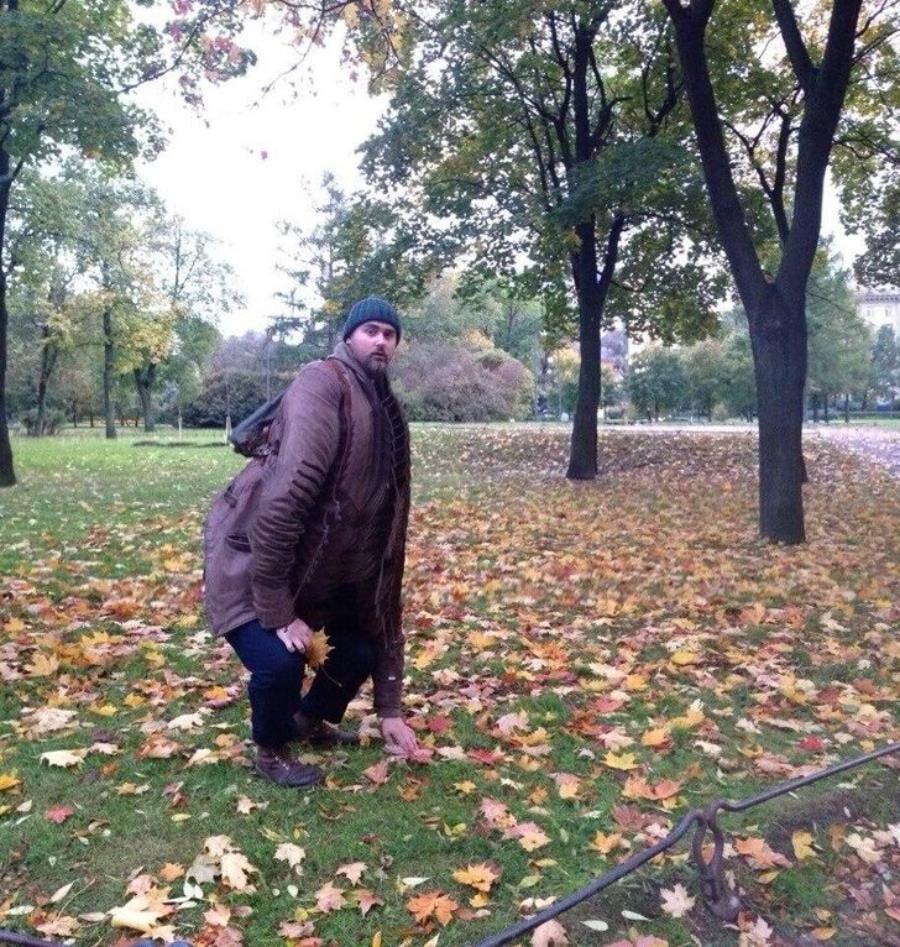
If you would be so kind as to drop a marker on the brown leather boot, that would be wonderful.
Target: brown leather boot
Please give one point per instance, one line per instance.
(282, 768)
(321, 734)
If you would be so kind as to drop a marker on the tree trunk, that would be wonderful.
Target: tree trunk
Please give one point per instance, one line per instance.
(847, 409)
(779, 358)
(592, 292)
(49, 353)
(814, 398)
(827, 400)
(583, 454)
(143, 381)
(108, 360)
(7, 471)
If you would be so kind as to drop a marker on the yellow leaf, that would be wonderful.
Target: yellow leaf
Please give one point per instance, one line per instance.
(802, 844)
(480, 876)
(684, 658)
(376, 939)
(622, 761)
(317, 650)
(604, 843)
(9, 780)
(43, 665)
(635, 682)
(656, 737)
(14, 625)
(823, 933)
(105, 710)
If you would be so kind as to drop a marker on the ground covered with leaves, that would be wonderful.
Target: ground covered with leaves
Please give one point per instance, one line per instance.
(586, 663)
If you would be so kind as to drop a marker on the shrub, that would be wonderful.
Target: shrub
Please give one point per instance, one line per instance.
(448, 381)
(54, 419)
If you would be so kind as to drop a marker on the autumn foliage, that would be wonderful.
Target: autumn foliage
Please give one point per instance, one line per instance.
(586, 662)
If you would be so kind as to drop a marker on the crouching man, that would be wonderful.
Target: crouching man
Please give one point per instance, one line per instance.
(312, 534)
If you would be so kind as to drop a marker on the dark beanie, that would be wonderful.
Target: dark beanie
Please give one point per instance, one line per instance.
(371, 309)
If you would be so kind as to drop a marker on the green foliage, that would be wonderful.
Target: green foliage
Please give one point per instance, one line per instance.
(508, 180)
(358, 247)
(656, 381)
(884, 375)
(52, 422)
(839, 340)
(707, 372)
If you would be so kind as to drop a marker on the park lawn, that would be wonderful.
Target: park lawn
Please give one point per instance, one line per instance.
(586, 661)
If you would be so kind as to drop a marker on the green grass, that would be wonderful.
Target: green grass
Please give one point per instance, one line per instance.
(564, 603)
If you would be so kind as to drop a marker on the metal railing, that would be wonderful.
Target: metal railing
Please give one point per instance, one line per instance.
(718, 895)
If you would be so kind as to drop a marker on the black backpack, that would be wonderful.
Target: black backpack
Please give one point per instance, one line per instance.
(251, 437)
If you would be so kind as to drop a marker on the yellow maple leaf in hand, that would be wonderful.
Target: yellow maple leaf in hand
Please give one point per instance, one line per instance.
(318, 649)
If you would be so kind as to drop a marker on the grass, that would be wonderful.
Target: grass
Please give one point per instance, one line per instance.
(560, 635)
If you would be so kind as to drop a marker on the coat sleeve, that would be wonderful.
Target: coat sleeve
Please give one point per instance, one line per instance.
(387, 677)
(309, 442)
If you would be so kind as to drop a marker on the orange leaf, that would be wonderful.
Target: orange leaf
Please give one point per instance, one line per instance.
(432, 904)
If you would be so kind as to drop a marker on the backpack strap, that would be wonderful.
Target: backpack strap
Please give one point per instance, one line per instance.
(346, 416)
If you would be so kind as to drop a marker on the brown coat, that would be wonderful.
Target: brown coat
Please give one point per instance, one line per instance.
(317, 513)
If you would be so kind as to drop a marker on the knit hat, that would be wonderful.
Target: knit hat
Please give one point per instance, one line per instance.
(371, 309)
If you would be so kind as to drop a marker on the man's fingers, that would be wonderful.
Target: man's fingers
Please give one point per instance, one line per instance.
(285, 640)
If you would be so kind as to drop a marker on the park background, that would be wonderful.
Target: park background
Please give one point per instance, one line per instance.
(600, 633)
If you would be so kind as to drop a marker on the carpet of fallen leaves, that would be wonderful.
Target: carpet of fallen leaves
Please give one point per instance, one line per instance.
(586, 661)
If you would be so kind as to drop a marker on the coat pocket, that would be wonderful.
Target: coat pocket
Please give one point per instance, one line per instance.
(238, 541)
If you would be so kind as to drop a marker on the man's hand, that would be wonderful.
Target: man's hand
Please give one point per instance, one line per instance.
(296, 636)
(399, 738)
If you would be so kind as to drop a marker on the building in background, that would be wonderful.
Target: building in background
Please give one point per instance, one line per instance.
(880, 307)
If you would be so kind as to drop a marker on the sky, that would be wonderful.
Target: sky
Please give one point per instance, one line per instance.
(249, 160)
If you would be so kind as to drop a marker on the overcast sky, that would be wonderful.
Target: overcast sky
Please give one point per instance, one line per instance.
(247, 161)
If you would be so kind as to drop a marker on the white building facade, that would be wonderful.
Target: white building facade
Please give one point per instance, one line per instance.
(879, 307)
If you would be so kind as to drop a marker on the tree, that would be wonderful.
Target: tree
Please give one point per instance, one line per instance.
(656, 381)
(706, 369)
(64, 72)
(884, 371)
(839, 340)
(781, 135)
(358, 247)
(550, 134)
(739, 390)
(192, 284)
(115, 219)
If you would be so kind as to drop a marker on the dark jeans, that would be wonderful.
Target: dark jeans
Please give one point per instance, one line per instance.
(276, 675)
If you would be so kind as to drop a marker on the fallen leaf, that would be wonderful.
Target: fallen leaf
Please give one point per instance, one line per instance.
(480, 876)
(676, 902)
(352, 871)
(802, 843)
(330, 898)
(434, 904)
(63, 758)
(549, 934)
(58, 813)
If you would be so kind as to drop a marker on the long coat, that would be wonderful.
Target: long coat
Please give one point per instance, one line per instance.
(324, 506)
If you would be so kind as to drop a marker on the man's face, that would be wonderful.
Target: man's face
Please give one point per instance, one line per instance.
(373, 344)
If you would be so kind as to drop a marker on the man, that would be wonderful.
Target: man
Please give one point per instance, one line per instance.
(311, 534)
